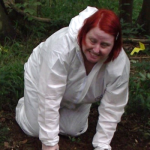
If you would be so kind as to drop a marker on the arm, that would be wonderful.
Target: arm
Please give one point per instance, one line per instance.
(111, 110)
(52, 84)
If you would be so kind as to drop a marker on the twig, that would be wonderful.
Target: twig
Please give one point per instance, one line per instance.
(145, 57)
(139, 58)
(136, 40)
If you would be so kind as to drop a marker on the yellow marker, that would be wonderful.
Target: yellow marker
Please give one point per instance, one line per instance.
(137, 49)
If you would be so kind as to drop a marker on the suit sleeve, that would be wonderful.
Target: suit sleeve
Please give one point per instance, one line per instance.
(52, 84)
(111, 109)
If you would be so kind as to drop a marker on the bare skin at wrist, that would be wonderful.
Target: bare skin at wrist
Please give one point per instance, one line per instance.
(55, 147)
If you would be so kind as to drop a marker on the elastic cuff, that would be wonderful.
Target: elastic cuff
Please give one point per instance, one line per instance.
(98, 148)
(44, 147)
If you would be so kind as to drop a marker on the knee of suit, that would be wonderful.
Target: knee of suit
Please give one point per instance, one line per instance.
(74, 122)
(73, 129)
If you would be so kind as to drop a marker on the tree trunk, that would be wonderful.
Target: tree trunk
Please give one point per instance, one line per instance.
(126, 7)
(6, 29)
(144, 18)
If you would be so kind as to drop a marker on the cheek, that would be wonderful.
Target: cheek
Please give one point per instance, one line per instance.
(87, 44)
(84, 47)
(84, 44)
(107, 51)
(110, 48)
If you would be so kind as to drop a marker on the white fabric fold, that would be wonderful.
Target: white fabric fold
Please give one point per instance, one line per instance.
(56, 83)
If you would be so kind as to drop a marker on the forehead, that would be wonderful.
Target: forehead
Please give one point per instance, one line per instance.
(99, 34)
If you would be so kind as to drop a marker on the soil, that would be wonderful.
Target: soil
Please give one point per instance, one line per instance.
(126, 137)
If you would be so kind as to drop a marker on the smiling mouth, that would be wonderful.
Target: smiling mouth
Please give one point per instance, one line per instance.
(94, 54)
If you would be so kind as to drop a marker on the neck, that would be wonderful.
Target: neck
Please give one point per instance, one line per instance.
(88, 66)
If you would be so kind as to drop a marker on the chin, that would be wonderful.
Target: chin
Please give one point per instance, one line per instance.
(92, 61)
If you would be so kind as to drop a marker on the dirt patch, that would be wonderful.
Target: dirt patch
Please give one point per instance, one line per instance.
(127, 136)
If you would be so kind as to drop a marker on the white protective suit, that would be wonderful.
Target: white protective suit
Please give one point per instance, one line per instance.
(58, 93)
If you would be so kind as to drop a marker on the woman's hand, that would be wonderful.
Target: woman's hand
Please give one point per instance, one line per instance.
(55, 147)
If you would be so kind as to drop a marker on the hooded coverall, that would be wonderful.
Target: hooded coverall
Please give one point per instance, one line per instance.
(58, 93)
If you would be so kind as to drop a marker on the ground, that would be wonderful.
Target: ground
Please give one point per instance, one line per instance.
(126, 137)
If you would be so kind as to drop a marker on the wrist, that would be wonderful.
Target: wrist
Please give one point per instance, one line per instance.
(45, 147)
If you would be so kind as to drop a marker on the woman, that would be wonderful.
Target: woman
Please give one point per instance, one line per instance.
(76, 66)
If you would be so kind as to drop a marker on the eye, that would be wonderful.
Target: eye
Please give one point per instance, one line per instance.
(104, 45)
(93, 41)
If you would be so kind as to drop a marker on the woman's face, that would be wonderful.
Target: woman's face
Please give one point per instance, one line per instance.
(98, 45)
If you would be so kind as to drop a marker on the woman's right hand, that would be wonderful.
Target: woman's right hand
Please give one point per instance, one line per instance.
(55, 147)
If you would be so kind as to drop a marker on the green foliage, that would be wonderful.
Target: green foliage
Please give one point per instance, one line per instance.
(3, 50)
(129, 30)
(59, 12)
(141, 66)
(11, 83)
(12, 59)
(112, 5)
(29, 6)
(4, 133)
(75, 139)
(139, 96)
(137, 6)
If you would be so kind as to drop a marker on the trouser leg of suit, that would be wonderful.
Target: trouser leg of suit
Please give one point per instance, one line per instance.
(22, 120)
(27, 109)
(74, 122)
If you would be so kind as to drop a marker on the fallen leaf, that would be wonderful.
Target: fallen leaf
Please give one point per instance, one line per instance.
(24, 141)
(136, 140)
(6, 144)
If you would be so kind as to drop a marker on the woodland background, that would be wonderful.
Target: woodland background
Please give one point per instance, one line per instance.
(26, 23)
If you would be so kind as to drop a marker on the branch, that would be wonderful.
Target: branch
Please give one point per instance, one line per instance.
(46, 20)
(140, 58)
(136, 40)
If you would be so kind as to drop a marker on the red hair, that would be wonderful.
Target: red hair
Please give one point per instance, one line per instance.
(107, 21)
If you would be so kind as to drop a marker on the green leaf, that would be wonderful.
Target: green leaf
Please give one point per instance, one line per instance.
(37, 3)
(28, 10)
(143, 77)
(148, 75)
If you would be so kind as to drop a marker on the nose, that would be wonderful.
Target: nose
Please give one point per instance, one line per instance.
(96, 49)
